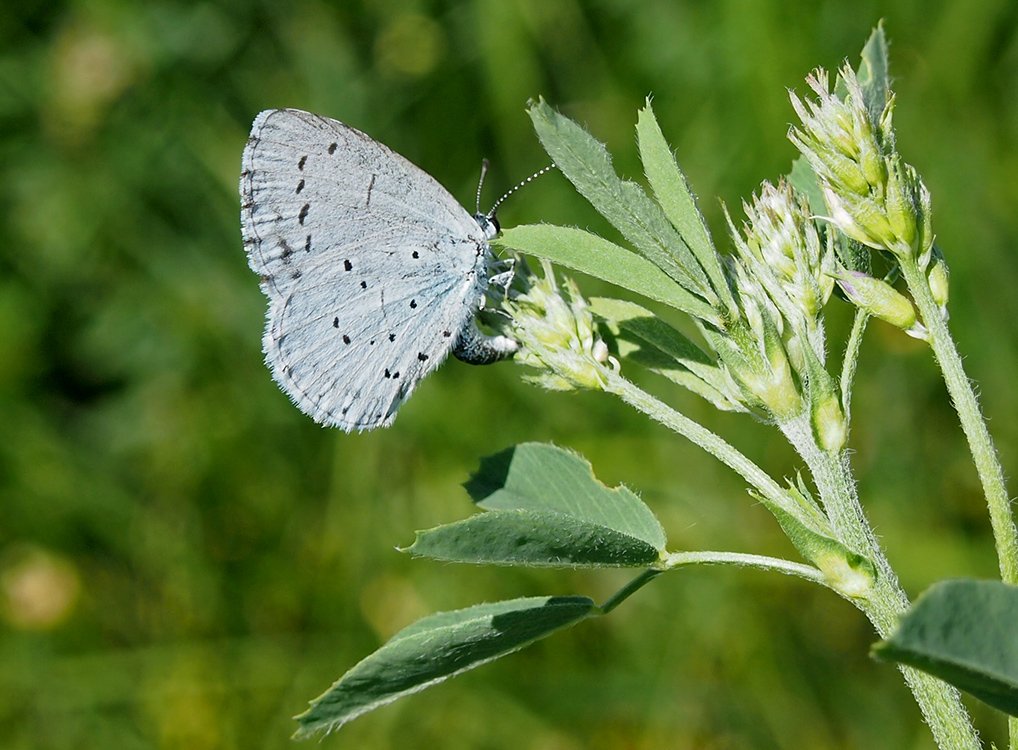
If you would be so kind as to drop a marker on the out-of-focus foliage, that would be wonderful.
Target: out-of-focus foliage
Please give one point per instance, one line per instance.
(185, 559)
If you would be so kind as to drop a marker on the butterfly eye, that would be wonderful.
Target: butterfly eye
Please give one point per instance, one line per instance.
(489, 225)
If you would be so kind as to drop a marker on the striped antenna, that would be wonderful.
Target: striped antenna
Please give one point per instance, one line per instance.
(534, 176)
(480, 184)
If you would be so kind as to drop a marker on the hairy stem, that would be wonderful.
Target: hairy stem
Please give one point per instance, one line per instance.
(939, 702)
(701, 436)
(984, 454)
(741, 559)
(851, 359)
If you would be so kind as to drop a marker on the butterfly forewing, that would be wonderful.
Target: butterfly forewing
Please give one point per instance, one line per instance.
(371, 268)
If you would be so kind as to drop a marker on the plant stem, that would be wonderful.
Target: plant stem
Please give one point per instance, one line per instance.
(851, 359)
(629, 589)
(939, 702)
(984, 454)
(741, 559)
(701, 436)
(674, 560)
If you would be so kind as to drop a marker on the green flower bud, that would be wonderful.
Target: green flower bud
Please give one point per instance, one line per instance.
(859, 219)
(881, 300)
(872, 162)
(826, 415)
(779, 393)
(938, 278)
(901, 210)
(847, 174)
(924, 242)
(829, 425)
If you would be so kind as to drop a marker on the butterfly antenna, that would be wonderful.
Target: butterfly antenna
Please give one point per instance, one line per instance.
(512, 190)
(480, 183)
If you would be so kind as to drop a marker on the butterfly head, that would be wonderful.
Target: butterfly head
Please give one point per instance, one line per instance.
(487, 222)
(489, 225)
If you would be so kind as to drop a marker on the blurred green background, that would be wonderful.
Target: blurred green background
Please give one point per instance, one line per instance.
(185, 559)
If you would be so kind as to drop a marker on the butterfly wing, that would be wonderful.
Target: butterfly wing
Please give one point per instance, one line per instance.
(371, 268)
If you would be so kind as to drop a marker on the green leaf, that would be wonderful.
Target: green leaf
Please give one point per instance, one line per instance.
(597, 257)
(660, 348)
(544, 477)
(804, 180)
(436, 648)
(677, 200)
(873, 73)
(963, 632)
(535, 538)
(587, 165)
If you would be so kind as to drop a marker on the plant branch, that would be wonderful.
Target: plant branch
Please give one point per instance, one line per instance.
(963, 396)
(629, 589)
(674, 560)
(701, 436)
(851, 360)
(940, 703)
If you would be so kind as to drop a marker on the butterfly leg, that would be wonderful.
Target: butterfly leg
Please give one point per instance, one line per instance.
(477, 348)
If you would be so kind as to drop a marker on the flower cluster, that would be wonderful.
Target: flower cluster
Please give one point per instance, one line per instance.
(782, 272)
(556, 333)
(873, 196)
(783, 263)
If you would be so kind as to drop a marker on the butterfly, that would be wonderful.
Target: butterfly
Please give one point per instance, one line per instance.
(374, 273)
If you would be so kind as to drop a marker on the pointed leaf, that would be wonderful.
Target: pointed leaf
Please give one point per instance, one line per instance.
(543, 477)
(597, 257)
(677, 200)
(535, 538)
(873, 73)
(804, 180)
(662, 349)
(586, 163)
(436, 648)
(963, 632)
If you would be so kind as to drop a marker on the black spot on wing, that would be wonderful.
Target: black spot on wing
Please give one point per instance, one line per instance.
(302, 162)
(300, 186)
(347, 265)
(332, 148)
(303, 213)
